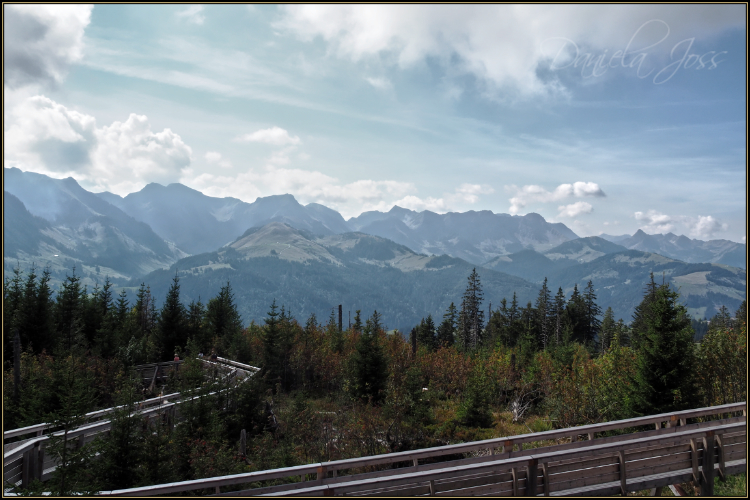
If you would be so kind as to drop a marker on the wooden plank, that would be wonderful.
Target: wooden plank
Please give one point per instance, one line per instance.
(694, 460)
(720, 453)
(611, 466)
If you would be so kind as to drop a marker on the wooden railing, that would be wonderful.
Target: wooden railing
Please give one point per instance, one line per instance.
(26, 460)
(674, 451)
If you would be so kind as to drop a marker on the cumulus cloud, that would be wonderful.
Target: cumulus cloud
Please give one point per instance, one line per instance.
(535, 193)
(706, 227)
(192, 14)
(575, 209)
(49, 138)
(41, 41)
(502, 46)
(701, 227)
(276, 136)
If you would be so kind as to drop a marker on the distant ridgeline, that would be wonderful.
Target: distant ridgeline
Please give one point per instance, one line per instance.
(403, 263)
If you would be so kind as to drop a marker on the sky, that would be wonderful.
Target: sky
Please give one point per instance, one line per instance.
(607, 118)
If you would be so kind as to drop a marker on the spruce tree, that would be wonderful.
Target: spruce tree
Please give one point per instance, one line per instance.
(664, 378)
(370, 369)
(543, 316)
(445, 333)
(592, 324)
(558, 309)
(271, 340)
(171, 324)
(471, 319)
(68, 312)
(608, 330)
(426, 333)
(640, 316)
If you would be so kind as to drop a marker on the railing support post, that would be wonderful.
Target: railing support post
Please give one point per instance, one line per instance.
(707, 481)
(545, 478)
(623, 473)
(322, 473)
(531, 478)
(514, 473)
(694, 459)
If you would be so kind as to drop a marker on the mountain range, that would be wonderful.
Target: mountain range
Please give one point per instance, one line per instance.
(310, 257)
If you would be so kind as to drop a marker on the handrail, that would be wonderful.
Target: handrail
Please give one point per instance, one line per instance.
(407, 477)
(147, 402)
(98, 413)
(29, 444)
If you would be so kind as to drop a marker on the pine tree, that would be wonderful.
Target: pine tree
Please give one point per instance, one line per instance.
(370, 369)
(445, 334)
(426, 333)
(271, 340)
(543, 316)
(559, 315)
(640, 316)
(665, 377)
(171, 323)
(576, 313)
(471, 319)
(194, 325)
(608, 330)
(68, 312)
(592, 324)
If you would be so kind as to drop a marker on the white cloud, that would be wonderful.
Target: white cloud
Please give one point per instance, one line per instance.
(192, 14)
(380, 83)
(701, 227)
(276, 136)
(214, 158)
(502, 46)
(535, 193)
(705, 228)
(575, 209)
(656, 222)
(41, 41)
(49, 138)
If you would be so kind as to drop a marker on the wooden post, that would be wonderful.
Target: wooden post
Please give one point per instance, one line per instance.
(415, 462)
(573, 438)
(508, 446)
(322, 473)
(531, 478)
(514, 473)
(40, 462)
(657, 425)
(623, 473)
(432, 488)
(707, 481)
(656, 492)
(545, 478)
(591, 436)
(683, 422)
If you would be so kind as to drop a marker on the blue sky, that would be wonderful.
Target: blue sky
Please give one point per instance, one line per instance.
(607, 118)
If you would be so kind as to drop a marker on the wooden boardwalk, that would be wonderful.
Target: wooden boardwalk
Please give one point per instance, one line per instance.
(25, 460)
(692, 445)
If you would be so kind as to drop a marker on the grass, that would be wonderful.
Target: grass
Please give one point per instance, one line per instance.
(735, 486)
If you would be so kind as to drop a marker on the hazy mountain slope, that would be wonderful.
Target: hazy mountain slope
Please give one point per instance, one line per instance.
(84, 227)
(473, 236)
(620, 279)
(583, 249)
(686, 249)
(311, 274)
(198, 223)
